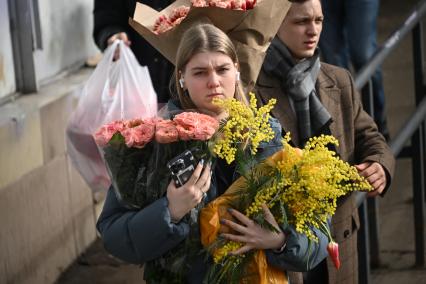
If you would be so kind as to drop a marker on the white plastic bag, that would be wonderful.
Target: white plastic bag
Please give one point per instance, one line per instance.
(116, 90)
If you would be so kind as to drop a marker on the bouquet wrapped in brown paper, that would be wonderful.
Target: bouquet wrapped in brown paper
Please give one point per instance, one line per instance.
(251, 31)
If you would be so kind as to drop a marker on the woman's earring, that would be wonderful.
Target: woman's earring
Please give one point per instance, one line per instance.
(237, 76)
(181, 82)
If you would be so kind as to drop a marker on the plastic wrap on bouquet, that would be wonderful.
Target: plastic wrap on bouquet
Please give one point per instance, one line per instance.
(137, 152)
(140, 176)
(116, 90)
(251, 31)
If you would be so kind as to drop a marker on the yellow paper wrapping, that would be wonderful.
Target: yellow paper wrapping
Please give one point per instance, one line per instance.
(258, 270)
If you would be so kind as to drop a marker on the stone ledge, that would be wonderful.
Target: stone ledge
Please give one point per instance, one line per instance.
(28, 131)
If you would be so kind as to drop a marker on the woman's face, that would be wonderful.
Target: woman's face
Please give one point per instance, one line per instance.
(209, 75)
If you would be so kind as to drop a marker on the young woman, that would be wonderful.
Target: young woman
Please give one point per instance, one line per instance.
(206, 67)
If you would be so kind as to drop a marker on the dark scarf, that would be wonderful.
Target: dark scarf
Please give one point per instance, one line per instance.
(298, 82)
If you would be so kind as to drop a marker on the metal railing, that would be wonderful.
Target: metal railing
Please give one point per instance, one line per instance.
(413, 129)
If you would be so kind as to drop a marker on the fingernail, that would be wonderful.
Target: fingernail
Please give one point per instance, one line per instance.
(229, 210)
(202, 162)
(222, 221)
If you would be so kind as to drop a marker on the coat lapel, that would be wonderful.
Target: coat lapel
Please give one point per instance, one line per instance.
(329, 95)
(268, 88)
(327, 91)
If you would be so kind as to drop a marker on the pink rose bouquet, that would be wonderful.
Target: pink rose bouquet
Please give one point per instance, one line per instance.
(136, 152)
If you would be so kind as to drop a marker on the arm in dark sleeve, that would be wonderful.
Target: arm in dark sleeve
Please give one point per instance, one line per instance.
(299, 254)
(139, 236)
(110, 17)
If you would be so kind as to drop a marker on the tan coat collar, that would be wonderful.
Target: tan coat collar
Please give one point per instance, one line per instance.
(269, 87)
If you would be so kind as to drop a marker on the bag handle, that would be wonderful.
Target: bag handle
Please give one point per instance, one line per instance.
(106, 64)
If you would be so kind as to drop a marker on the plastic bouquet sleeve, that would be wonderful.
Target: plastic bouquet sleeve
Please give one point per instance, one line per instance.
(136, 152)
(251, 31)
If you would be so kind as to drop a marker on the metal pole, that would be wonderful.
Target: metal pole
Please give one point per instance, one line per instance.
(22, 39)
(371, 206)
(418, 144)
(418, 195)
(418, 57)
(373, 230)
(368, 99)
(363, 246)
(391, 43)
(408, 129)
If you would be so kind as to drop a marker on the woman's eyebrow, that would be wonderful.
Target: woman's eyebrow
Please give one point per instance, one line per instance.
(198, 68)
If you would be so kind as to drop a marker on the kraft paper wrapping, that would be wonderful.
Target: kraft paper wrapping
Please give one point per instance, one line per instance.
(251, 31)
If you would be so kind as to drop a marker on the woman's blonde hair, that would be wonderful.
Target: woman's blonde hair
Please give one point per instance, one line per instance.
(197, 39)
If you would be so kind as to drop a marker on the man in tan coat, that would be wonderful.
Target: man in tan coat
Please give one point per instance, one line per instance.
(315, 98)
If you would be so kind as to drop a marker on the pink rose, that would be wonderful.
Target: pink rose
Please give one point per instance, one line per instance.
(195, 126)
(220, 4)
(199, 3)
(162, 25)
(185, 133)
(166, 132)
(139, 135)
(187, 119)
(105, 133)
(250, 4)
(204, 132)
(178, 14)
(238, 4)
(133, 122)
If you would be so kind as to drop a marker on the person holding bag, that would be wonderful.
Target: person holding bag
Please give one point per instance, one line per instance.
(111, 19)
(206, 68)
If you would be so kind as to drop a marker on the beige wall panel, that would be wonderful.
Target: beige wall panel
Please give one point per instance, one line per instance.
(54, 118)
(82, 210)
(21, 149)
(37, 236)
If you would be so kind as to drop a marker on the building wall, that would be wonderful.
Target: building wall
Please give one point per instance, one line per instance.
(7, 70)
(66, 28)
(66, 36)
(47, 214)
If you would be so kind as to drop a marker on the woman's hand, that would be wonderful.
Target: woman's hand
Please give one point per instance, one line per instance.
(252, 234)
(183, 199)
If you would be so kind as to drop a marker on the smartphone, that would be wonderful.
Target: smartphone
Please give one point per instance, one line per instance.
(182, 167)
